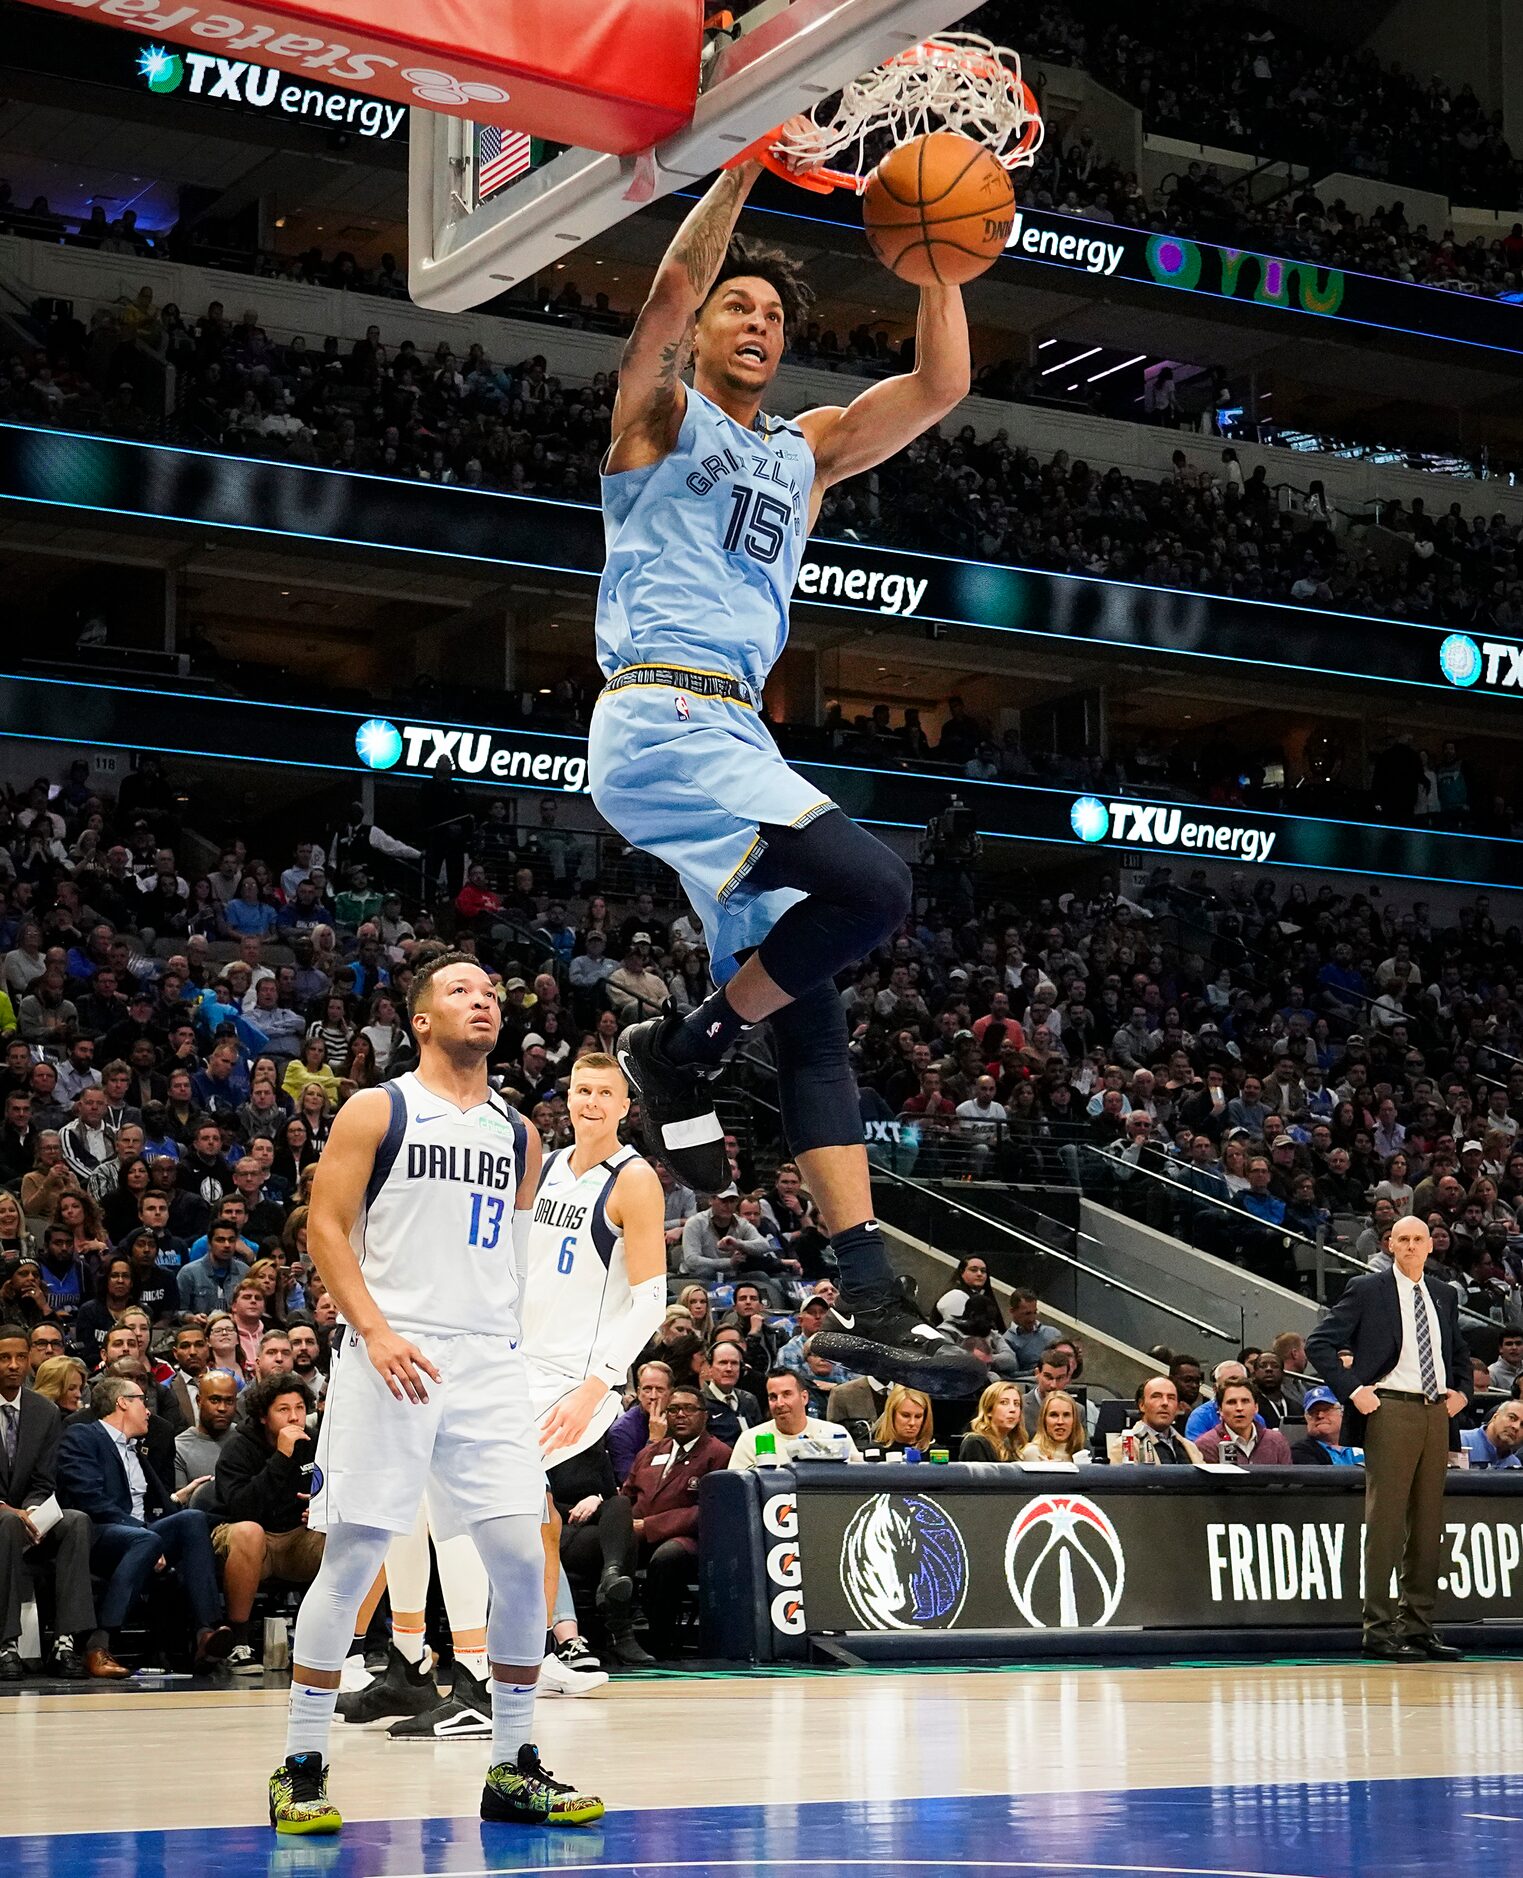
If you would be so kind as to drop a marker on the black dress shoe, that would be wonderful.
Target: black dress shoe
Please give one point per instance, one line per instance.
(12, 1669)
(1436, 1650)
(67, 1663)
(1393, 1653)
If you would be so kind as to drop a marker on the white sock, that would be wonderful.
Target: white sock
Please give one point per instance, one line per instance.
(475, 1661)
(512, 1718)
(413, 1644)
(310, 1719)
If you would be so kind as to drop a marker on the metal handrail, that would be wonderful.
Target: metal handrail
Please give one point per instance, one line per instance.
(1049, 1251)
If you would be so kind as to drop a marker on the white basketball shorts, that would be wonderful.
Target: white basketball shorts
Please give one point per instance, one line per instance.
(472, 1443)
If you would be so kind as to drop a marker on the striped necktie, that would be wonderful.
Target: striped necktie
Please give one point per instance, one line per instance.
(1425, 1361)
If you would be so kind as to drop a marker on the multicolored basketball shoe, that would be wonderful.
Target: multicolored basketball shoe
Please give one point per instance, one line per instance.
(524, 1794)
(299, 1796)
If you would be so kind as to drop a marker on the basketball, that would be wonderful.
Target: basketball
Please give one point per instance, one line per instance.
(939, 208)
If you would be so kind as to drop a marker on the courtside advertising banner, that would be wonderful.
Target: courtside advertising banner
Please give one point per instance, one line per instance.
(1057, 1551)
(614, 75)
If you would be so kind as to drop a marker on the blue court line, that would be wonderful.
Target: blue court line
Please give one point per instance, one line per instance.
(1398, 1828)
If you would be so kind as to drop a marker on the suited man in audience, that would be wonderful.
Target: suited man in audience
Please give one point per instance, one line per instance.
(1409, 1376)
(137, 1529)
(29, 1431)
(663, 1485)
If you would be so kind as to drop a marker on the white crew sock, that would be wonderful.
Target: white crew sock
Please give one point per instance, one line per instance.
(475, 1661)
(310, 1719)
(512, 1718)
(411, 1641)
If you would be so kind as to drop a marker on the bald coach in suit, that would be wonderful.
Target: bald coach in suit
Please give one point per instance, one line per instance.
(1409, 1376)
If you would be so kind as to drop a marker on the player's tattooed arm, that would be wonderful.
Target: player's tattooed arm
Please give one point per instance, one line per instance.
(648, 410)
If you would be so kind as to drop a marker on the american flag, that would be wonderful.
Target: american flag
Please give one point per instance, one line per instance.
(500, 156)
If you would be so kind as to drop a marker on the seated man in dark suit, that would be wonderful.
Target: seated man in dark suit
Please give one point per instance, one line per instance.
(136, 1530)
(663, 1484)
(29, 1431)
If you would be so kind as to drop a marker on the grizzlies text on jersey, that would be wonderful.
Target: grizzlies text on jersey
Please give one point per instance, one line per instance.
(703, 548)
(703, 551)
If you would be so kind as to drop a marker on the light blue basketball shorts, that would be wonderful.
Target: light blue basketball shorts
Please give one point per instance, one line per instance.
(690, 779)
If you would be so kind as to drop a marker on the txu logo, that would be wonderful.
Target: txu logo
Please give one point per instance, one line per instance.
(163, 70)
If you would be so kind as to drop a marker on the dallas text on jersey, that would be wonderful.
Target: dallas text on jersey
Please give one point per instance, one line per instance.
(474, 1167)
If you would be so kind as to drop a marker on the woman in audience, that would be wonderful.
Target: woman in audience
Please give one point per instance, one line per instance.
(77, 1210)
(61, 1380)
(384, 1031)
(310, 1067)
(694, 1299)
(120, 1210)
(15, 1240)
(1059, 1432)
(1494, 1210)
(49, 1176)
(223, 1341)
(971, 1303)
(293, 1152)
(1396, 1187)
(906, 1421)
(1235, 1166)
(315, 1109)
(607, 1032)
(203, 915)
(359, 1071)
(995, 1432)
(115, 1289)
(333, 1030)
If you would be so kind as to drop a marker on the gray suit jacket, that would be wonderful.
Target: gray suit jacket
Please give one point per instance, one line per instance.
(31, 1477)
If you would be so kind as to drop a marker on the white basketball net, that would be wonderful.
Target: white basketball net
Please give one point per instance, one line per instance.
(957, 81)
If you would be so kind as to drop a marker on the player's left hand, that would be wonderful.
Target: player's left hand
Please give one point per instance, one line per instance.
(565, 1424)
(799, 126)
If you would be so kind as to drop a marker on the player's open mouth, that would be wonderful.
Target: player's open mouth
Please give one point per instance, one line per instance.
(751, 352)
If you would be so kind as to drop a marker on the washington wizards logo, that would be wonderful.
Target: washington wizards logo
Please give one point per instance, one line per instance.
(1064, 1565)
(904, 1565)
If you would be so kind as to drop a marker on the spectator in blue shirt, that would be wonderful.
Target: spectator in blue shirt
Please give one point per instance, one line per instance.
(1320, 1446)
(1496, 1445)
(1249, 1110)
(1257, 1197)
(1027, 1336)
(1206, 1415)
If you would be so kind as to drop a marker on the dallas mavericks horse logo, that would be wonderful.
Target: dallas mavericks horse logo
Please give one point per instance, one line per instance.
(1064, 1564)
(903, 1564)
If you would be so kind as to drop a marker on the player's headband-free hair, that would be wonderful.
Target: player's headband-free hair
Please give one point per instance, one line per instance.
(752, 260)
(601, 1062)
(432, 965)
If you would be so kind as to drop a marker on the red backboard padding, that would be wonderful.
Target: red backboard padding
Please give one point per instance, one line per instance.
(617, 75)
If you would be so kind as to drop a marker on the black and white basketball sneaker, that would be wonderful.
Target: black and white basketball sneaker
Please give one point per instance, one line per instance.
(402, 1689)
(464, 1715)
(681, 1126)
(885, 1336)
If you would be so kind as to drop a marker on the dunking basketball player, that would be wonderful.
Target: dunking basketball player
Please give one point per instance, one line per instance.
(707, 504)
(419, 1226)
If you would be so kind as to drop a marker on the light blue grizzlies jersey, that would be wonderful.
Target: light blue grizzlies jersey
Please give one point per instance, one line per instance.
(703, 548)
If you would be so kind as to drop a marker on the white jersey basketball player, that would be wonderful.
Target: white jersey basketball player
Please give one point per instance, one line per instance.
(596, 1279)
(419, 1228)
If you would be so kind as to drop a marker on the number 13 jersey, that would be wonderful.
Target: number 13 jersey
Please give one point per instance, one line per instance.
(703, 548)
(435, 1235)
(577, 1277)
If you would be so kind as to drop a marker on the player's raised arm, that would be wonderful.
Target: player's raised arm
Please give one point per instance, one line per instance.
(647, 412)
(846, 441)
(338, 1192)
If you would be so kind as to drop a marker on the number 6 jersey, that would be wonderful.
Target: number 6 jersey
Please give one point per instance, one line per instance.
(577, 1278)
(435, 1235)
(703, 548)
